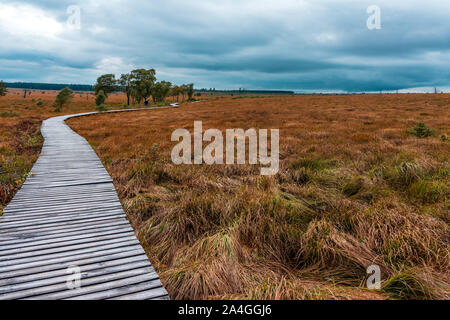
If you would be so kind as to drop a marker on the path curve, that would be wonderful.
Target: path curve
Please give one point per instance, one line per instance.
(65, 219)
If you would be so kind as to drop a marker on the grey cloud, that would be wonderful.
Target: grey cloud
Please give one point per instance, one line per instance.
(285, 44)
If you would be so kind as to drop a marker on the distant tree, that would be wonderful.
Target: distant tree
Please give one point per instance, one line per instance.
(142, 82)
(107, 83)
(175, 91)
(100, 98)
(182, 90)
(126, 85)
(3, 89)
(160, 91)
(63, 97)
(190, 90)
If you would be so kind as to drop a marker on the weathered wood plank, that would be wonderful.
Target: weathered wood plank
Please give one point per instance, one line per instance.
(85, 274)
(39, 272)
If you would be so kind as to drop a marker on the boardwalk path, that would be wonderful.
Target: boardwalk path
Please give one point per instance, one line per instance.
(68, 214)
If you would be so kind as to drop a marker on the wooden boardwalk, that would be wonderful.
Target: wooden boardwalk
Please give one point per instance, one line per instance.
(67, 214)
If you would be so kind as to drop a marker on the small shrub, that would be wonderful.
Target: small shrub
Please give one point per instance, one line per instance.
(40, 103)
(9, 114)
(420, 130)
(100, 98)
(162, 104)
(63, 97)
(101, 108)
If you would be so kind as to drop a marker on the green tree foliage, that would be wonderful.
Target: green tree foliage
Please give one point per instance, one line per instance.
(183, 90)
(160, 91)
(63, 97)
(142, 82)
(126, 85)
(190, 91)
(100, 98)
(3, 89)
(175, 91)
(107, 83)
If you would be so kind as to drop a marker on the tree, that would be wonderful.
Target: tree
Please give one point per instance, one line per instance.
(175, 91)
(190, 90)
(63, 97)
(107, 83)
(182, 90)
(142, 82)
(3, 89)
(160, 91)
(100, 98)
(126, 85)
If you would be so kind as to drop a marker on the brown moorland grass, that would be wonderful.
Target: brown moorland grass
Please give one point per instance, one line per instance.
(354, 189)
(20, 121)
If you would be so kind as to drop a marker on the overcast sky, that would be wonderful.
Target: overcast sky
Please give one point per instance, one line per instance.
(253, 44)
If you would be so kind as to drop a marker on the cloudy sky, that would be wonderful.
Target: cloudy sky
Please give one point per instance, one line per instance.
(255, 44)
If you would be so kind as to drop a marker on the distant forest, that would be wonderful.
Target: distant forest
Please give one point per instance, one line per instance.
(87, 87)
(48, 86)
(244, 91)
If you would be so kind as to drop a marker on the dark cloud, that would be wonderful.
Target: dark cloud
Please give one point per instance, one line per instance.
(286, 44)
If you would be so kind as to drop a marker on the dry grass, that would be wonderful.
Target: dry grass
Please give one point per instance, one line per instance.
(354, 189)
(20, 138)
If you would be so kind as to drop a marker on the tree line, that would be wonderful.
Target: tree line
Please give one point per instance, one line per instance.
(48, 86)
(139, 85)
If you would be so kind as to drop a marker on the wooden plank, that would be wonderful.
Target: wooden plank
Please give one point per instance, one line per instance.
(66, 209)
(67, 225)
(130, 289)
(64, 236)
(86, 254)
(148, 293)
(86, 273)
(62, 219)
(64, 249)
(62, 245)
(61, 291)
(38, 272)
(43, 234)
